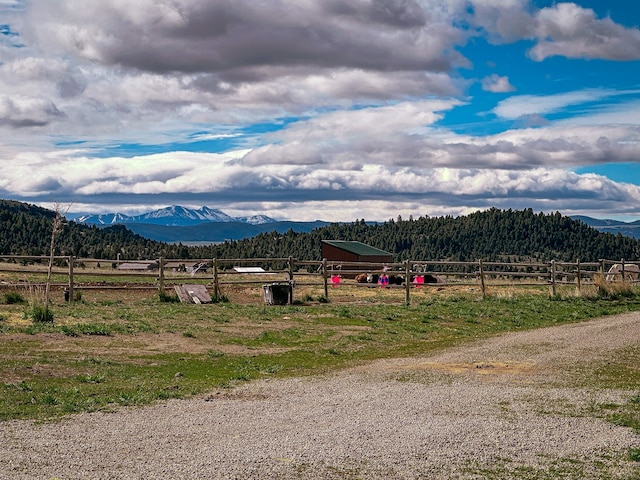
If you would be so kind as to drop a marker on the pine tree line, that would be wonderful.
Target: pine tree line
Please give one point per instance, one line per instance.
(492, 235)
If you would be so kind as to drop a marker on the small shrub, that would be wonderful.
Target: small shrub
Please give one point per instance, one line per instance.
(13, 298)
(634, 454)
(166, 298)
(40, 314)
(220, 299)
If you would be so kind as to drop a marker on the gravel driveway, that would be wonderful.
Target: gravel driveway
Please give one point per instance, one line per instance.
(498, 408)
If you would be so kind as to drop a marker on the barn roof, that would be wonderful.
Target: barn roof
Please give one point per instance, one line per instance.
(358, 248)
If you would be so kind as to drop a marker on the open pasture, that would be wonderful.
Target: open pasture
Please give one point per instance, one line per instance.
(123, 347)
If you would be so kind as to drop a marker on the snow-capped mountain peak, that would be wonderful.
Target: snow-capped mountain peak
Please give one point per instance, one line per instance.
(177, 215)
(214, 215)
(174, 215)
(104, 219)
(256, 219)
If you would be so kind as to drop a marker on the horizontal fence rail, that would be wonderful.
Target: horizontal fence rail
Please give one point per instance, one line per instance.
(73, 273)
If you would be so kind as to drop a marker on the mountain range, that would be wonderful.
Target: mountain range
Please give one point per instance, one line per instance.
(172, 216)
(628, 229)
(204, 225)
(208, 225)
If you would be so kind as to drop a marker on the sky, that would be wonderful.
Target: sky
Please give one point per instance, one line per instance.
(322, 109)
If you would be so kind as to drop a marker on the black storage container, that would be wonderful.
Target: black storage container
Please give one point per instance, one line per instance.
(277, 293)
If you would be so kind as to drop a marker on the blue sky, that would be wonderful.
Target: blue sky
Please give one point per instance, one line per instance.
(322, 109)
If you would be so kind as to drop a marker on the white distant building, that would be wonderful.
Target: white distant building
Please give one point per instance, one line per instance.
(249, 269)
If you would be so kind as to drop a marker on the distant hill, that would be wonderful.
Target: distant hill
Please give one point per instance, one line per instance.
(629, 229)
(174, 215)
(26, 230)
(491, 235)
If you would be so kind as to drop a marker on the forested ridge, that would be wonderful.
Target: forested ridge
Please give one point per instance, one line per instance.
(26, 230)
(491, 235)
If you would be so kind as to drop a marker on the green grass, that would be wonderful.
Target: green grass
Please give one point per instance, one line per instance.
(628, 415)
(600, 466)
(13, 297)
(105, 354)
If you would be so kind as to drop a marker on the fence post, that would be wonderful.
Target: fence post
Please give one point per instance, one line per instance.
(216, 284)
(407, 282)
(324, 277)
(602, 268)
(291, 282)
(578, 279)
(553, 278)
(624, 279)
(161, 275)
(484, 291)
(70, 260)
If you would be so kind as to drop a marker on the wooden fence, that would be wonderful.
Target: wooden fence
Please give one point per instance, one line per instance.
(73, 273)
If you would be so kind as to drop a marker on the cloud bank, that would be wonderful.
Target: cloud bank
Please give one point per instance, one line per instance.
(330, 109)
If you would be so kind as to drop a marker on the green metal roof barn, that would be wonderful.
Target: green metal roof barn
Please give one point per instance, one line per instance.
(352, 251)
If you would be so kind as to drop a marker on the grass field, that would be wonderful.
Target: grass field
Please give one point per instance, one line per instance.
(123, 348)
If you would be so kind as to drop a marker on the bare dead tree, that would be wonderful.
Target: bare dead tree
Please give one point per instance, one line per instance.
(58, 223)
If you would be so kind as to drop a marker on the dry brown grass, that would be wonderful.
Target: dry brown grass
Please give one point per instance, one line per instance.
(606, 288)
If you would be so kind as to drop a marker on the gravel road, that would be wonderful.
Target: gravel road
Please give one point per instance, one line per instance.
(498, 408)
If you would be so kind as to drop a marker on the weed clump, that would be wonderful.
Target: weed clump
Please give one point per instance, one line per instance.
(39, 313)
(12, 298)
(220, 299)
(310, 298)
(166, 298)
